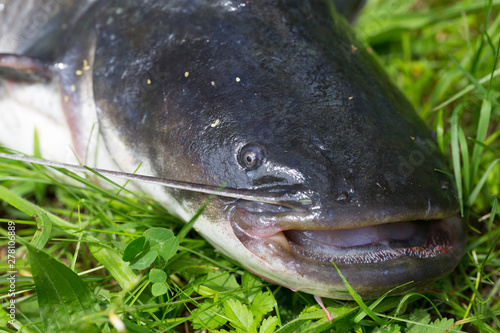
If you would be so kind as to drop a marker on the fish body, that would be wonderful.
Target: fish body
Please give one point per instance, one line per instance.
(273, 97)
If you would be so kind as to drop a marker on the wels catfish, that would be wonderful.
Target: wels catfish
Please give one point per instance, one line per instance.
(323, 159)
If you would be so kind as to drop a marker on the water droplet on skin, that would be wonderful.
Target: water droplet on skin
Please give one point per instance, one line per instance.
(444, 185)
(342, 196)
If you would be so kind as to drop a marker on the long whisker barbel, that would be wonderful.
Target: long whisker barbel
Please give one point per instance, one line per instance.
(251, 195)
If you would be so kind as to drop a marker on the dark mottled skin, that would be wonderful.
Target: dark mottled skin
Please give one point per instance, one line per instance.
(297, 75)
(288, 76)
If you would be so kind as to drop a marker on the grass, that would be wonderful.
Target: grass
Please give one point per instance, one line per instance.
(443, 54)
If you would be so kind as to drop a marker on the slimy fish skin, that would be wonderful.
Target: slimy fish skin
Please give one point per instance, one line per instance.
(323, 159)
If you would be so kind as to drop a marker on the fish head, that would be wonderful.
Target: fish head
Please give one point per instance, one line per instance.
(280, 99)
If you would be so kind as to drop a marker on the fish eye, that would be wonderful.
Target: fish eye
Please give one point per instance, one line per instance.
(251, 156)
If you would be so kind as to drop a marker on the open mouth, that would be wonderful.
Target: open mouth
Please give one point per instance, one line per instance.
(361, 245)
(377, 252)
(372, 244)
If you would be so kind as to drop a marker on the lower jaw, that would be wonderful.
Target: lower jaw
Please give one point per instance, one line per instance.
(277, 260)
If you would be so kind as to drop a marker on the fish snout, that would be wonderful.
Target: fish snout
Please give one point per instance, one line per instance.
(375, 254)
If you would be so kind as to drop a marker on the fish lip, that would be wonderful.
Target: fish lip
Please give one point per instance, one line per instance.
(430, 239)
(436, 236)
(272, 257)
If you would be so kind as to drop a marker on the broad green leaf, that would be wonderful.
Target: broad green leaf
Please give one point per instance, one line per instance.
(113, 262)
(440, 325)
(238, 314)
(64, 299)
(250, 282)
(134, 248)
(420, 323)
(157, 275)
(418, 319)
(168, 248)
(263, 303)
(308, 314)
(313, 313)
(42, 234)
(158, 235)
(269, 325)
(221, 281)
(159, 288)
(143, 251)
(391, 328)
(218, 282)
(208, 316)
(162, 241)
(143, 260)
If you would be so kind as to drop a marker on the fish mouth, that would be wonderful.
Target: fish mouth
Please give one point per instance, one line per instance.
(374, 256)
(368, 243)
(374, 244)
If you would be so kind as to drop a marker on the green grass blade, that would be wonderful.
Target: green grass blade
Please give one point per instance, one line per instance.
(485, 35)
(493, 213)
(386, 24)
(467, 89)
(440, 131)
(484, 146)
(465, 161)
(362, 314)
(471, 78)
(455, 152)
(39, 187)
(480, 184)
(44, 229)
(29, 208)
(482, 129)
(358, 299)
(113, 262)
(312, 313)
